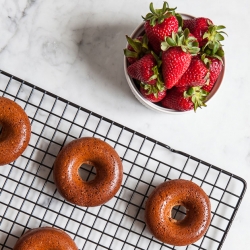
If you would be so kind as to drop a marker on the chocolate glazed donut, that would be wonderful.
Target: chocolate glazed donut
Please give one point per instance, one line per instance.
(160, 204)
(94, 152)
(15, 131)
(45, 238)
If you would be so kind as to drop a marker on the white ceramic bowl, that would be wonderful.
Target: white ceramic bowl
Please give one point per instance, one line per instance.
(140, 31)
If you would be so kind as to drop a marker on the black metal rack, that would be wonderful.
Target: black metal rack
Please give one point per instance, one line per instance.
(29, 198)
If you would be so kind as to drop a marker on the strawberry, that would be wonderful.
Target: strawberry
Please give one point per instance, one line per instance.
(197, 26)
(144, 70)
(152, 94)
(205, 31)
(174, 63)
(184, 99)
(176, 56)
(215, 67)
(136, 48)
(197, 73)
(159, 24)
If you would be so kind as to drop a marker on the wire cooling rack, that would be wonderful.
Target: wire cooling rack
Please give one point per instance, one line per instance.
(29, 198)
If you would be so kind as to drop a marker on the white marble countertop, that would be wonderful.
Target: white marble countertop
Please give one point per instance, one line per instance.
(75, 49)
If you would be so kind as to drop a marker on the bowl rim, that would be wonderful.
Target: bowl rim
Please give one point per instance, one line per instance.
(138, 30)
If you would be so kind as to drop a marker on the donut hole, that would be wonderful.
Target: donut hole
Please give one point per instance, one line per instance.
(87, 172)
(1, 128)
(178, 212)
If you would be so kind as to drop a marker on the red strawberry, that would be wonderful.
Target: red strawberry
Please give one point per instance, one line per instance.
(136, 49)
(198, 26)
(144, 70)
(215, 68)
(174, 63)
(159, 24)
(197, 74)
(153, 97)
(207, 34)
(181, 100)
(176, 56)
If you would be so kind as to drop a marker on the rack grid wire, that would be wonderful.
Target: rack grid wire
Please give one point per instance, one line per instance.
(29, 198)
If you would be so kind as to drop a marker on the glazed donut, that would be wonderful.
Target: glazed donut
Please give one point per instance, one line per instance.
(45, 238)
(15, 130)
(160, 204)
(96, 153)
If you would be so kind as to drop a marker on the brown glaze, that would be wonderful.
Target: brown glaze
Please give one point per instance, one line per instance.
(94, 152)
(45, 238)
(158, 212)
(15, 131)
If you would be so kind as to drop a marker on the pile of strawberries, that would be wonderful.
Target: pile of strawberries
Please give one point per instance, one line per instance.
(177, 61)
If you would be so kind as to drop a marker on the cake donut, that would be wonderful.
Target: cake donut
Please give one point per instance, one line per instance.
(45, 238)
(15, 130)
(96, 153)
(160, 204)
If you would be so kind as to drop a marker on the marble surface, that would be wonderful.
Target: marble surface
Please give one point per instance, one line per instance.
(75, 49)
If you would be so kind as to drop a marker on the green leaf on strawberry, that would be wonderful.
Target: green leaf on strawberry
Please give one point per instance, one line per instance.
(214, 34)
(197, 95)
(157, 16)
(152, 92)
(183, 39)
(137, 48)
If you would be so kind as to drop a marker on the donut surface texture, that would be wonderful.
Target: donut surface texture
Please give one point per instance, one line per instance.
(160, 204)
(96, 153)
(45, 238)
(15, 131)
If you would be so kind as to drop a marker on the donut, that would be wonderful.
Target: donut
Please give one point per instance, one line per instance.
(45, 238)
(15, 131)
(160, 204)
(96, 153)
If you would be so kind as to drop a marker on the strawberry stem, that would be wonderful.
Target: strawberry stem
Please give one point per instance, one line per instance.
(157, 16)
(197, 95)
(182, 39)
(140, 47)
(153, 89)
(214, 36)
